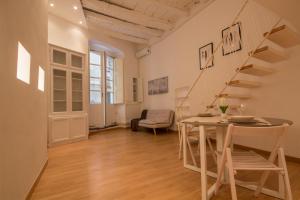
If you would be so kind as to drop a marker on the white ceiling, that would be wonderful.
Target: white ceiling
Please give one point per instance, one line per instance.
(138, 21)
(64, 9)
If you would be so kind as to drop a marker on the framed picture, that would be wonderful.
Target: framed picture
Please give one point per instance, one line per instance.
(158, 86)
(150, 87)
(232, 39)
(205, 53)
(163, 85)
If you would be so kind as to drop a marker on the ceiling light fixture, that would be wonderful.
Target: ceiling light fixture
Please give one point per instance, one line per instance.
(52, 4)
(75, 7)
(80, 22)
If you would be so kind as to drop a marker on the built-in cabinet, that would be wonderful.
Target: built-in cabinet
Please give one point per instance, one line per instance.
(68, 114)
(136, 92)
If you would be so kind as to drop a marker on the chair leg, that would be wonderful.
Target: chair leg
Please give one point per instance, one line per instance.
(281, 158)
(231, 174)
(232, 146)
(265, 174)
(180, 140)
(154, 130)
(212, 150)
(191, 151)
(221, 172)
(180, 146)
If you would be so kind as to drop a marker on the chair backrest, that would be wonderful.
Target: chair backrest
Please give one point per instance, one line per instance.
(275, 132)
(182, 113)
(182, 104)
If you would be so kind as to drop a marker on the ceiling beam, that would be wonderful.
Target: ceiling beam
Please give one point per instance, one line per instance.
(194, 10)
(175, 10)
(126, 14)
(121, 26)
(95, 27)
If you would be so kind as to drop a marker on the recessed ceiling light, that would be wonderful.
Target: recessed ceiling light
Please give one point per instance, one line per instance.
(52, 4)
(75, 7)
(80, 22)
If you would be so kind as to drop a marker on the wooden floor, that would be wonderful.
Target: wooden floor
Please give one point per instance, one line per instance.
(124, 165)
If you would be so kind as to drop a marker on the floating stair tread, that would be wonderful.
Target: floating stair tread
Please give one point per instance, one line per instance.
(284, 36)
(256, 70)
(268, 54)
(234, 96)
(244, 84)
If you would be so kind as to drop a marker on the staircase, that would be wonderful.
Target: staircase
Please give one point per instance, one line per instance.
(281, 35)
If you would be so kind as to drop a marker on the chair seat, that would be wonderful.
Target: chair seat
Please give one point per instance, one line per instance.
(249, 160)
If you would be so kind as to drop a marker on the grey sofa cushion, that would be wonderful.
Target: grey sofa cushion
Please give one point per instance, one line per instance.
(159, 116)
(158, 119)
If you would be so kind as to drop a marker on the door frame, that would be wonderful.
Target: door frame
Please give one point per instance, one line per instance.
(103, 79)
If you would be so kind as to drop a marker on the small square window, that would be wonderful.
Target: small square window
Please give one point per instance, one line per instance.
(41, 81)
(23, 68)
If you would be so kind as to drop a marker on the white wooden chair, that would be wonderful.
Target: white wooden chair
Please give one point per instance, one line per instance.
(182, 111)
(252, 161)
(192, 136)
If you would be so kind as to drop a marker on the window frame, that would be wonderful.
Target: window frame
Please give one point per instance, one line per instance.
(110, 94)
(100, 65)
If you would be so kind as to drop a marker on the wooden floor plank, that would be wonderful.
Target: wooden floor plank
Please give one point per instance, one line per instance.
(124, 165)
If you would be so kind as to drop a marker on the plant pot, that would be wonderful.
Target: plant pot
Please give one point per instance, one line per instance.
(223, 116)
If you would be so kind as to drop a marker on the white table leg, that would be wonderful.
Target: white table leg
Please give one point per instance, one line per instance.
(281, 183)
(203, 163)
(183, 129)
(220, 137)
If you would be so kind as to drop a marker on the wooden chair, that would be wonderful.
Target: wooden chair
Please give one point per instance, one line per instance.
(252, 161)
(182, 111)
(192, 136)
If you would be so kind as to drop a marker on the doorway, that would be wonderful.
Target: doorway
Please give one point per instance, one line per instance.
(102, 113)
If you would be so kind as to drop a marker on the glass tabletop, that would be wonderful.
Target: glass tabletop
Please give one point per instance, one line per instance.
(217, 121)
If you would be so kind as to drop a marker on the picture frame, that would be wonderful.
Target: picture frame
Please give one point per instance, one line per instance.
(158, 86)
(232, 39)
(205, 53)
(150, 87)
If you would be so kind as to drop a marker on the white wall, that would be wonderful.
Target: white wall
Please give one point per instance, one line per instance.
(288, 9)
(177, 57)
(71, 36)
(65, 34)
(23, 116)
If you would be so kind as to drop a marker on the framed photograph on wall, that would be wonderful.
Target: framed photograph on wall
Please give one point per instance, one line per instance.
(158, 86)
(163, 85)
(150, 87)
(232, 39)
(205, 53)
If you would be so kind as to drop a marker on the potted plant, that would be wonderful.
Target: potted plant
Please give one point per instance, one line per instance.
(223, 107)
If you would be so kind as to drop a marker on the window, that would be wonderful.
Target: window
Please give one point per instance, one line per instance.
(95, 78)
(110, 61)
(23, 68)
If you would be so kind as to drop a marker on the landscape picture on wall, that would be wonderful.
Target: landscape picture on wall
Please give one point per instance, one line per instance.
(205, 54)
(158, 86)
(232, 39)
